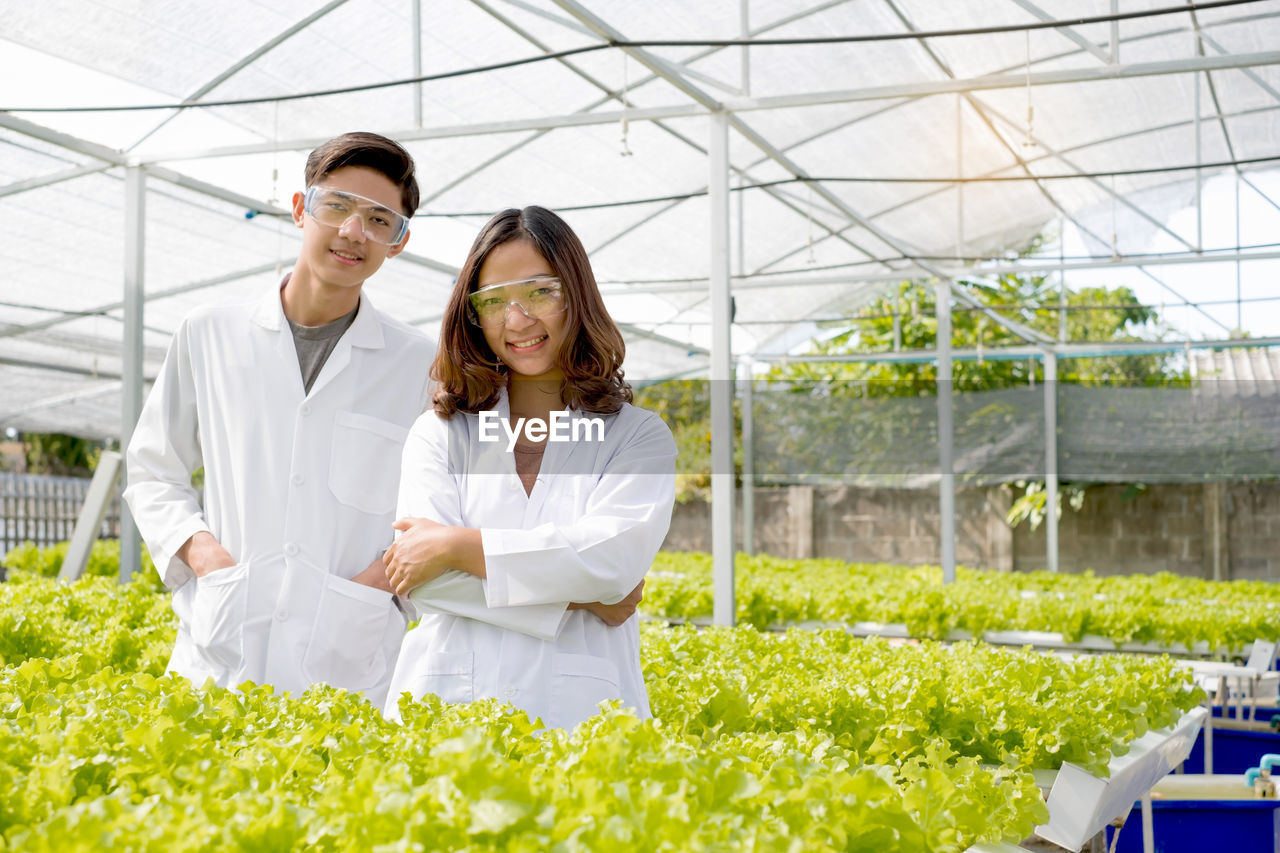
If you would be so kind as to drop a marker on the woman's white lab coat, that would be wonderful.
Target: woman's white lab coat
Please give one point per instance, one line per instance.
(300, 488)
(588, 531)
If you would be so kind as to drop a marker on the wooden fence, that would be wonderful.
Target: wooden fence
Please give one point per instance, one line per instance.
(43, 510)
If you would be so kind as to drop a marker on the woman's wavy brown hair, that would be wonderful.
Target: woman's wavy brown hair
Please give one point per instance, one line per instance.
(471, 375)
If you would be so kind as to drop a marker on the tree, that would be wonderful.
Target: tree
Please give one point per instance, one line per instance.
(62, 455)
(803, 428)
(685, 405)
(909, 317)
(1094, 314)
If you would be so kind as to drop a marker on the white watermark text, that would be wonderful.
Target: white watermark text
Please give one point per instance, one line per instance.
(560, 427)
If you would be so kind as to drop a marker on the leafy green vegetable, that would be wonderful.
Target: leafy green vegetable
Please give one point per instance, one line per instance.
(812, 740)
(1162, 609)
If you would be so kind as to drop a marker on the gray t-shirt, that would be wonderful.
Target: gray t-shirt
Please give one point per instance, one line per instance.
(314, 343)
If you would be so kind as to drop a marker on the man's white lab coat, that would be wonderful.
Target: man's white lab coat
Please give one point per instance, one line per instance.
(299, 487)
(588, 531)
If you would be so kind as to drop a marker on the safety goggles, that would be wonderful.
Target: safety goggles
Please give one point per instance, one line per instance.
(334, 207)
(538, 298)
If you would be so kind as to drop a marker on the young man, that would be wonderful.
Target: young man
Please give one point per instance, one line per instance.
(297, 406)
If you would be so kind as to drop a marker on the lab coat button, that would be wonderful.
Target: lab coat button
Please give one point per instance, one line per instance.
(291, 549)
(282, 616)
(510, 691)
(513, 484)
(304, 409)
(297, 479)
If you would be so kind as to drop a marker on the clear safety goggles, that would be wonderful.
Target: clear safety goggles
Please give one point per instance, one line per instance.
(332, 207)
(538, 298)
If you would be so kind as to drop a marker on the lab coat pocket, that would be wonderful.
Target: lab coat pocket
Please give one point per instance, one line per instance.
(364, 463)
(449, 675)
(217, 614)
(579, 683)
(353, 640)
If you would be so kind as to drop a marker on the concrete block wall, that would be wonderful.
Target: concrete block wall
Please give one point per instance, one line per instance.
(859, 525)
(1167, 527)
(1203, 530)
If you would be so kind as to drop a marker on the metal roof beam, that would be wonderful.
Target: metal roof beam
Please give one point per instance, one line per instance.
(690, 349)
(92, 373)
(1119, 197)
(63, 399)
(1030, 265)
(778, 193)
(738, 105)
(1041, 15)
(618, 235)
(665, 69)
(672, 74)
(1185, 301)
(982, 110)
(583, 117)
(1030, 161)
(1009, 81)
(1054, 57)
(1062, 350)
(1073, 149)
(727, 88)
(567, 23)
(52, 178)
(946, 69)
(1201, 40)
(101, 310)
(239, 66)
(1248, 72)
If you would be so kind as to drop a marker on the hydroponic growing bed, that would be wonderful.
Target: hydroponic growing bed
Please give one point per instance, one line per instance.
(760, 740)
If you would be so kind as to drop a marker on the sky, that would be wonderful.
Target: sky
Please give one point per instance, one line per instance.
(1257, 281)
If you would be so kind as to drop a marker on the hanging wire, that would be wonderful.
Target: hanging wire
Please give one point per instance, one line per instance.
(812, 259)
(919, 36)
(1029, 141)
(626, 150)
(1115, 245)
(836, 179)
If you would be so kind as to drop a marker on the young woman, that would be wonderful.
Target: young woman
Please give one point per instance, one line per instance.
(532, 493)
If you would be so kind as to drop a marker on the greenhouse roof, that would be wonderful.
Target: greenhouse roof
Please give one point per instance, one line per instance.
(869, 141)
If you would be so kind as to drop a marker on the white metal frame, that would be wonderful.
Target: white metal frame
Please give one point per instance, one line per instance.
(722, 115)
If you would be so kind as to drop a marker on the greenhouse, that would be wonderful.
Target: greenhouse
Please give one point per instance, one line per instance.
(950, 479)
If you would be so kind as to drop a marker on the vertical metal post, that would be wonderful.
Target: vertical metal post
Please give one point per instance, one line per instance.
(724, 608)
(1239, 312)
(959, 174)
(748, 461)
(1208, 733)
(1051, 460)
(744, 16)
(741, 248)
(1199, 200)
(1115, 33)
(947, 480)
(1062, 279)
(417, 62)
(135, 244)
(942, 290)
(748, 413)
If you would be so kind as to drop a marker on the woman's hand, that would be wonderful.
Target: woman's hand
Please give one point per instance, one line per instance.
(427, 549)
(420, 554)
(614, 615)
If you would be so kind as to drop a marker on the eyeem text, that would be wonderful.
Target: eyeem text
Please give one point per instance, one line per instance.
(561, 427)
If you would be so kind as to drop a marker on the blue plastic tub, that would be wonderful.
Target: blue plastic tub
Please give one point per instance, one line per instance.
(1263, 713)
(1233, 751)
(1197, 826)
